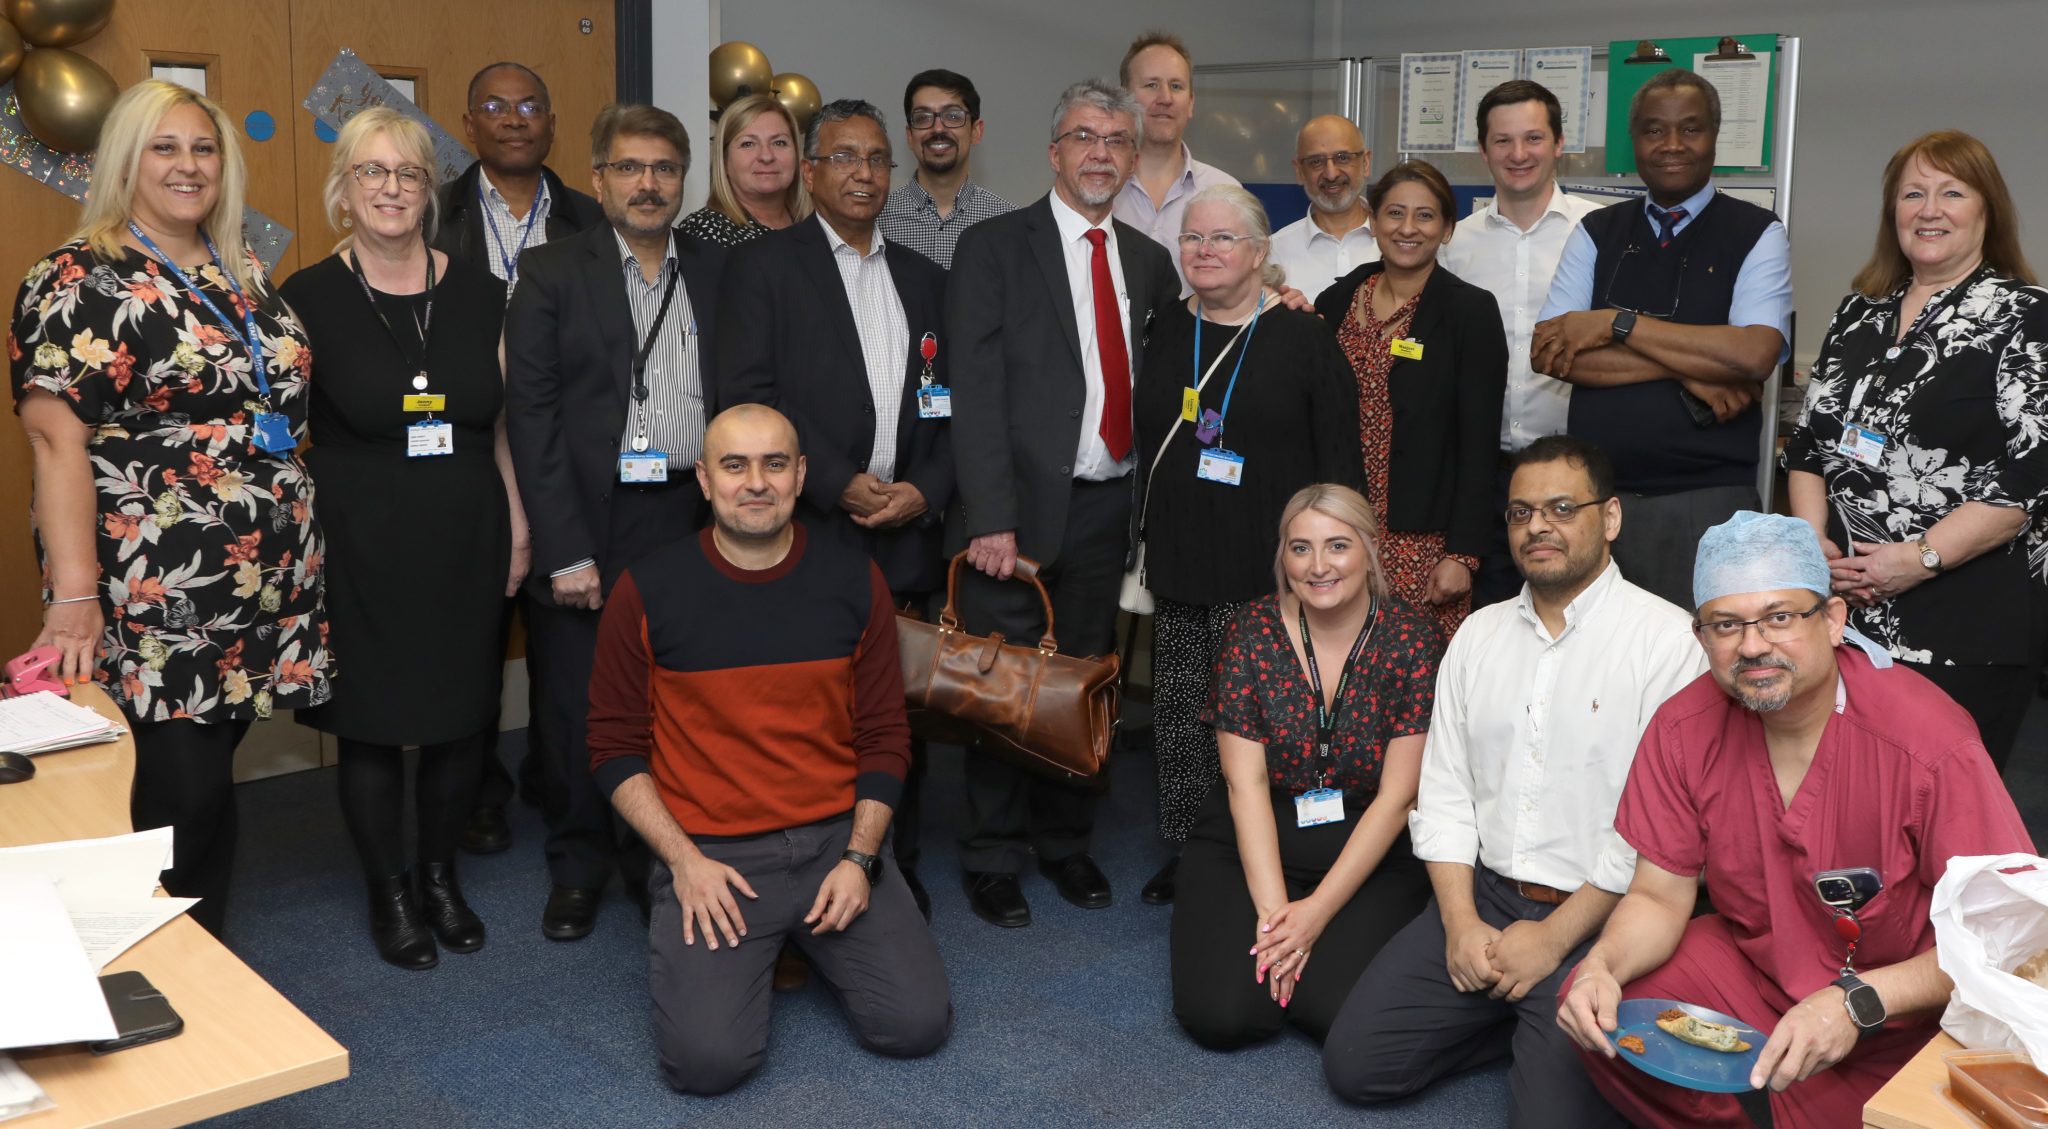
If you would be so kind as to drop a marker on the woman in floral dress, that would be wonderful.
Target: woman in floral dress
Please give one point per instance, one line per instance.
(181, 560)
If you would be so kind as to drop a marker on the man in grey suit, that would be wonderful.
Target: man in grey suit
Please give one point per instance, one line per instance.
(1047, 308)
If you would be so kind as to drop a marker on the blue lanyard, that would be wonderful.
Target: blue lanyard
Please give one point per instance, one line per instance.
(1195, 369)
(247, 334)
(510, 258)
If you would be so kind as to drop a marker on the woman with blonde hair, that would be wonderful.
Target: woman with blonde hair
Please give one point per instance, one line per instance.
(425, 534)
(755, 188)
(163, 386)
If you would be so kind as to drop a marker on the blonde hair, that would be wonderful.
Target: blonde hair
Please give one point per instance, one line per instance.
(130, 124)
(1254, 214)
(731, 121)
(1343, 504)
(414, 145)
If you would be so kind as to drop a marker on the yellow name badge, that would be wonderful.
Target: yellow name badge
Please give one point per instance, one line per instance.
(1190, 404)
(1403, 347)
(428, 403)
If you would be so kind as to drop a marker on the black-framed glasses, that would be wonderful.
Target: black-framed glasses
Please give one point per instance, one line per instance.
(1776, 627)
(844, 161)
(1222, 242)
(373, 176)
(528, 108)
(1118, 143)
(1677, 291)
(953, 116)
(1343, 159)
(630, 169)
(1556, 513)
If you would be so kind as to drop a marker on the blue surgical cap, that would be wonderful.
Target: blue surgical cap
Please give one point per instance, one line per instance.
(1753, 552)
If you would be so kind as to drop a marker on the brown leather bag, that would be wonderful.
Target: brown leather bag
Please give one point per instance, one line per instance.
(1029, 704)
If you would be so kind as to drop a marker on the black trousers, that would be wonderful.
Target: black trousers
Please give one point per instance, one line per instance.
(1012, 812)
(1498, 578)
(495, 785)
(1660, 535)
(908, 818)
(185, 780)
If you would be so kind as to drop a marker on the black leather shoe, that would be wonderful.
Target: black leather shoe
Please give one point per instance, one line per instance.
(1159, 891)
(917, 891)
(455, 925)
(1079, 880)
(486, 833)
(997, 899)
(570, 914)
(397, 925)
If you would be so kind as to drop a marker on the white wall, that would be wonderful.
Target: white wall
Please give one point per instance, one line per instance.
(684, 33)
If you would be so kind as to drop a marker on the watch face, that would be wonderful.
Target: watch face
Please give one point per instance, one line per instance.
(1930, 558)
(1865, 1007)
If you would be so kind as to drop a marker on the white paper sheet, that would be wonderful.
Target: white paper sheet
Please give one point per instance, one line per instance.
(1483, 70)
(108, 929)
(19, 1093)
(120, 868)
(1568, 72)
(1429, 102)
(1745, 86)
(1596, 111)
(43, 722)
(49, 993)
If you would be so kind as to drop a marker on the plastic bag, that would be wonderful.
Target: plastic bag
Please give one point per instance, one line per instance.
(1990, 914)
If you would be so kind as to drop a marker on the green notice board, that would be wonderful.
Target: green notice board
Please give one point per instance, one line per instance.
(1625, 78)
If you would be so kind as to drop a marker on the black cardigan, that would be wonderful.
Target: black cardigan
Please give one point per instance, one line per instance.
(1446, 408)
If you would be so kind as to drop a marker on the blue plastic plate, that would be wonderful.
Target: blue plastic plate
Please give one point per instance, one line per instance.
(1678, 1062)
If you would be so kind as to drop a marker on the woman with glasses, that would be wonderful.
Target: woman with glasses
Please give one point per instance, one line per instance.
(1239, 403)
(425, 534)
(162, 383)
(1431, 361)
(1921, 455)
(755, 188)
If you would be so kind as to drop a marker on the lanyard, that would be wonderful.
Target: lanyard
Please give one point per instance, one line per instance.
(419, 380)
(1326, 716)
(646, 349)
(247, 334)
(1195, 366)
(509, 256)
(1948, 299)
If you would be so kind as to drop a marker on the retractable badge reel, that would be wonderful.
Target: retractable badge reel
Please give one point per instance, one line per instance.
(934, 400)
(642, 464)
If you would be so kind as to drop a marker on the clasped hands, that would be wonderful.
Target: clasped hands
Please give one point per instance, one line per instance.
(1506, 964)
(1878, 571)
(876, 504)
(704, 889)
(1282, 943)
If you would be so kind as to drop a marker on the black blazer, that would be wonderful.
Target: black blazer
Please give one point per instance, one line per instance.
(462, 234)
(569, 345)
(1018, 385)
(788, 340)
(1446, 408)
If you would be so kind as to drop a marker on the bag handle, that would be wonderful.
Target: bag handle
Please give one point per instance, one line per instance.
(1027, 569)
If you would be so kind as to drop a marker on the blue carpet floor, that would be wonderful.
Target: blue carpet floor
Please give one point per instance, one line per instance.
(1066, 1023)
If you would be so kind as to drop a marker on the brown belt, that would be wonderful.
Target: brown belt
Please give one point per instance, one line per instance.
(1544, 894)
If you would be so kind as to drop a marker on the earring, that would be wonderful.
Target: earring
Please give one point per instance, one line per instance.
(346, 221)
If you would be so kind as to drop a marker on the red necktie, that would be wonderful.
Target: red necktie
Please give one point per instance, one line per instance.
(1109, 346)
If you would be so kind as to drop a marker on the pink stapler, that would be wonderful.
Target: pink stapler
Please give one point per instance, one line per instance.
(31, 672)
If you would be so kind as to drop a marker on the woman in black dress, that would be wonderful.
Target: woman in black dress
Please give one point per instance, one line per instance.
(426, 538)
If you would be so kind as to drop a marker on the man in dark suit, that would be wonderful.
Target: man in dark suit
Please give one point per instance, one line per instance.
(828, 322)
(1047, 308)
(605, 414)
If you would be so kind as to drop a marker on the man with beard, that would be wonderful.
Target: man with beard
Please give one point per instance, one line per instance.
(1806, 753)
(747, 719)
(604, 410)
(1334, 167)
(1160, 74)
(942, 122)
(1539, 705)
(1047, 309)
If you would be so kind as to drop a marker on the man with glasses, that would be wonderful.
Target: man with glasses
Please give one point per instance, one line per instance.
(1160, 74)
(942, 123)
(1539, 705)
(605, 350)
(1819, 791)
(1667, 317)
(1333, 167)
(1047, 309)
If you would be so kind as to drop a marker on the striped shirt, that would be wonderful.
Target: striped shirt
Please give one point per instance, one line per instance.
(884, 337)
(674, 411)
(912, 219)
(508, 236)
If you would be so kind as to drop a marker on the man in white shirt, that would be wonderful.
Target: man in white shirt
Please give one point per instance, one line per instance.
(1334, 167)
(1511, 247)
(1160, 74)
(1539, 706)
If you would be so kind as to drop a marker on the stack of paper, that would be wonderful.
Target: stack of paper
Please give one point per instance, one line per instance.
(104, 886)
(49, 994)
(43, 722)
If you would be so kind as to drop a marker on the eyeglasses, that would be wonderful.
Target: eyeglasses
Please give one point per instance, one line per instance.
(529, 108)
(1343, 159)
(1223, 241)
(844, 161)
(1556, 513)
(1117, 143)
(373, 176)
(1776, 627)
(630, 169)
(1677, 290)
(953, 116)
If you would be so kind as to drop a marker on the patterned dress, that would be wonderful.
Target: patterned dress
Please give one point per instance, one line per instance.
(713, 226)
(209, 555)
(1408, 557)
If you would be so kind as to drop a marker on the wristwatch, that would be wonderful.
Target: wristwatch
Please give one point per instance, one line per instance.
(1930, 559)
(1624, 324)
(871, 865)
(1866, 1009)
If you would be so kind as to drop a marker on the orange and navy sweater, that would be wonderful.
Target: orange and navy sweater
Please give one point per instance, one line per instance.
(758, 700)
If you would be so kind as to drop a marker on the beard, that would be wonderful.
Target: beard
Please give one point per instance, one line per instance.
(1764, 699)
(1338, 203)
(1097, 198)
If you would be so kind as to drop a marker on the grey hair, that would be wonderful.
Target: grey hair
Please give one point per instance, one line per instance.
(1253, 213)
(1675, 78)
(1102, 94)
(845, 109)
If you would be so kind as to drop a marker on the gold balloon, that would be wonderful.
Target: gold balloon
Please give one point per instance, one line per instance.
(59, 23)
(10, 50)
(737, 70)
(64, 98)
(799, 96)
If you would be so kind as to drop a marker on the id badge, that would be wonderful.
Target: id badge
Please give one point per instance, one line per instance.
(1406, 349)
(274, 433)
(1190, 404)
(435, 402)
(935, 401)
(1318, 806)
(1222, 466)
(1862, 444)
(643, 466)
(428, 438)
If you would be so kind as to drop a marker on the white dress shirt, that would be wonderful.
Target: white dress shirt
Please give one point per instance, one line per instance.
(507, 235)
(1489, 251)
(1091, 459)
(884, 337)
(1532, 737)
(1313, 258)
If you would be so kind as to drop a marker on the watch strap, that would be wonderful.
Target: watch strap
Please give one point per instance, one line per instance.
(1624, 324)
(870, 864)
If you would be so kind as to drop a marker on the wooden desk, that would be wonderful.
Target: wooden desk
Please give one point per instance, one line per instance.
(1917, 1096)
(243, 1043)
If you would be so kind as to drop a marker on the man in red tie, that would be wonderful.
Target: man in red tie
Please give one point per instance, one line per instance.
(1047, 308)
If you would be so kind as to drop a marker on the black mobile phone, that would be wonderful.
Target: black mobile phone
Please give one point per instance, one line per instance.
(141, 1013)
(1849, 888)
